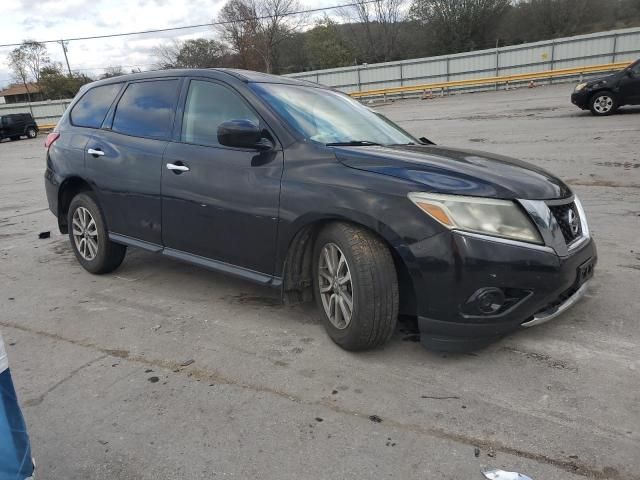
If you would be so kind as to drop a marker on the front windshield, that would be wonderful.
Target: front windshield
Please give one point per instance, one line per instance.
(330, 117)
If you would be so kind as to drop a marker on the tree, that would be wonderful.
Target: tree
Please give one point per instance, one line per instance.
(17, 60)
(460, 25)
(325, 46)
(110, 72)
(26, 62)
(256, 28)
(55, 84)
(196, 53)
(376, 27)
(34, 56)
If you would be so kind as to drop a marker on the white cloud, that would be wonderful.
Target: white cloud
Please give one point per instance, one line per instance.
(55, 19)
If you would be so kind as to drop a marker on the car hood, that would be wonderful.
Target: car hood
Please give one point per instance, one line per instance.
(606, 78)
(463, 172)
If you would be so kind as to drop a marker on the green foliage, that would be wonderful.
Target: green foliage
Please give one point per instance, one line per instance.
(195, 53)
(460, 25)
(325, 46)
(201, 53)
(55, 84)
(381, 31)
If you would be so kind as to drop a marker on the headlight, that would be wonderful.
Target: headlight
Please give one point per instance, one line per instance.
(580, 86)
(500, 218)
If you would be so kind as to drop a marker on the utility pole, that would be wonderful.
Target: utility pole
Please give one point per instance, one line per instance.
(64, 49)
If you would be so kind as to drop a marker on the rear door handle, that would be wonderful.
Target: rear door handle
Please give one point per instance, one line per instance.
(177, 168)
(95, 153)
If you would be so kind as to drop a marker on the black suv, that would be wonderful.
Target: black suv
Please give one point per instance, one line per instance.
(16, 125)
(604, 95)
(301, 188)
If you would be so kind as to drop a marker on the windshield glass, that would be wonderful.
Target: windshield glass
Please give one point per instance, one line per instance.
(330, 117)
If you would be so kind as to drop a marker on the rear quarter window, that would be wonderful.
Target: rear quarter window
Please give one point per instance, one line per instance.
(94, 105)
(146, 109)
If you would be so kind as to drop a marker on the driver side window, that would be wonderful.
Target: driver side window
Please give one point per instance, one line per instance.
(207, 106)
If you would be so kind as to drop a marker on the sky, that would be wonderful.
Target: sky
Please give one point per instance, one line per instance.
(55, 19)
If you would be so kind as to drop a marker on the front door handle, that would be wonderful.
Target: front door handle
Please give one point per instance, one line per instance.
(95, 153)
(177, 168)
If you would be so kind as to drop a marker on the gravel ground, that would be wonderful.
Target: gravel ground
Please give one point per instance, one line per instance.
(163, 371)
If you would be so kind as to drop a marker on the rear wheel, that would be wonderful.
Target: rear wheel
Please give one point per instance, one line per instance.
(603, 103)
(32, 132)
(89, 236)
(15, 137)
(356, 286)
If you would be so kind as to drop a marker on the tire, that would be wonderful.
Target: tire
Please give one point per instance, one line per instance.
(32, 132)
(603, 104)
(97, 254)
(373, 288)
(15, 137)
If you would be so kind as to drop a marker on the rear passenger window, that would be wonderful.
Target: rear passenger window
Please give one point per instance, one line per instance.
(146, 109)
(208, 105)
(94, 105)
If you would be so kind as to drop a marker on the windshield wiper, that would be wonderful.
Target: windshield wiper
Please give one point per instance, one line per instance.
(353, 143)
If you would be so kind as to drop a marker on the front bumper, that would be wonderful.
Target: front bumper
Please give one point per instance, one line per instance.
(581, 98)
(453, 266)
(557, 310)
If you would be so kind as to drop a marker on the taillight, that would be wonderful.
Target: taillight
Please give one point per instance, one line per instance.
(52, 137)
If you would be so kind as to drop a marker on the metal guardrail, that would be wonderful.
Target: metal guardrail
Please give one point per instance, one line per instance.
(504, 79)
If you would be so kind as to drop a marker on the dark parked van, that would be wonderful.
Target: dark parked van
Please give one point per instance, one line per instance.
(604, 95)
(16, 125)
(302, 188)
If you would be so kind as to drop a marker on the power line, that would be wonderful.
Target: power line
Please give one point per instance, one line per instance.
(201, 25)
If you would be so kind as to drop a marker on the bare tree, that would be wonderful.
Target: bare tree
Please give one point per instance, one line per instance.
(256, 28)
(239, 30)
(18, 63)
(377, 26)
(110, 72)
(35, 57)
(27, 62)
(167, 55)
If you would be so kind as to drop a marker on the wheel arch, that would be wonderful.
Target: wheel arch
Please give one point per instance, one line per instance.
(607, 89)
(297, 267)
(69, 188)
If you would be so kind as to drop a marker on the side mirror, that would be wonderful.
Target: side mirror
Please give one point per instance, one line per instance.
(242, 134)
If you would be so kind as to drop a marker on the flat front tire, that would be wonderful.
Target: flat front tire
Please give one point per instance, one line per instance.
(89, 236)
(356, 286)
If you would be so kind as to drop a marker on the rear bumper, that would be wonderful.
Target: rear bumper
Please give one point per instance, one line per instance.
(51, 186)
(542, 284)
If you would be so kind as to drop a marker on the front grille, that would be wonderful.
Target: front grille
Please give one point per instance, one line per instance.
(568, 219)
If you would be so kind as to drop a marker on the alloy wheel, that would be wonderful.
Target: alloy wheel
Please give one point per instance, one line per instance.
(603, 104)
(336, 286)
(85, 233)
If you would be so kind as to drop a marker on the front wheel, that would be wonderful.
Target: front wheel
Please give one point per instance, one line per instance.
(32, 132)
(356, 286)
(603, 103)
(89, 236)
